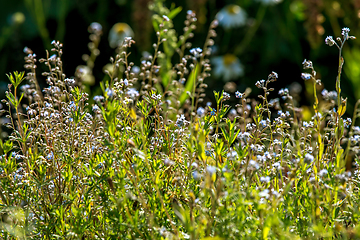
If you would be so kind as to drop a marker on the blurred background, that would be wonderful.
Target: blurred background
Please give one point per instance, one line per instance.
(254, 37)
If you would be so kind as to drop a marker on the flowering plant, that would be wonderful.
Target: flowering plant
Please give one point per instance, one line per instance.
(147, 159)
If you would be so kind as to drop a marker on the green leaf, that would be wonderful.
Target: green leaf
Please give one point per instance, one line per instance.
(342, 108)
(16, 78)
(174, 12)
(189, 84)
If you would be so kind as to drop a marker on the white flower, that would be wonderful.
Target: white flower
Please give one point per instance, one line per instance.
(211, 170)
(228, 67)
(306, 76)
(329, 41)
(323, 173)
(133, 93)
(345, 32)
(308, 158)
(166, 18)
(118, 33)
(270, 2)
(200, 111)
(265, 179)
(232, 155)
(231, 16)
(196, 52)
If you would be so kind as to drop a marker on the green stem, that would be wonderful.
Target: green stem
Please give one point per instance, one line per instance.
(252, 30)
(41, 22)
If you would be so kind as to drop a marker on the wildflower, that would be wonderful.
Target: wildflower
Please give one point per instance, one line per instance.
(213, 112)
(356, 129)
(133, 93)
(210, 170)
(307, 64)
(208, 153)
(253, 164)
(27, 50)
(228, 67)
(25, 88)
(274, 102)
(250, 126)
(166, 19)
(200, 111)
(244, 136)
(118, 33)
(231, 16)
(267, 155)
(50, 156)
(330, 41)
(264, 193)
(52, 57)
(317, 115)
(16, 156)
(226, 96)
(30, 111)
(323, 172)
(196, 52)
(265, 179)
(273, 75)
(260, 84)
(308, 124)
(98, 98)
(263, 123)
(180, 121)
(69, 81)
(283, 92)
(277, 166)
(308, 158)
(347, 122)
(54, 89)
(196, 175)
(96, 109)
(238, 94)
(345, 32)
(156, 97)
(306, 76)
(332, 95)
(232, 155)
(260, 158)
(48, 105)
(109, 92)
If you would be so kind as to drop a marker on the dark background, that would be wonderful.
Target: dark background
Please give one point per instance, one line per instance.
(290, 32)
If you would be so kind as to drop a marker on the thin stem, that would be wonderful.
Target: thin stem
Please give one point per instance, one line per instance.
(252, 30)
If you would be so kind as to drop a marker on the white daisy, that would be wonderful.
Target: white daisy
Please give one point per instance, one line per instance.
(228, 67)
(231, 16)
(118, 33)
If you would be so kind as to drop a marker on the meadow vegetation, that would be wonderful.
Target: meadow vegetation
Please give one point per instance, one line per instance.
(149, 159)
